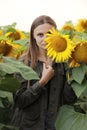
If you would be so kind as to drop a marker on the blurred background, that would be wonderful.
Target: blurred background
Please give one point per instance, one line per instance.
(23, 12)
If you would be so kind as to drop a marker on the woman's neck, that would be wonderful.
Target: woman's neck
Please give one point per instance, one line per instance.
(44, 58)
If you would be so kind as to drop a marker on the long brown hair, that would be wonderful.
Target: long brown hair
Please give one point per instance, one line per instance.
(33, 51)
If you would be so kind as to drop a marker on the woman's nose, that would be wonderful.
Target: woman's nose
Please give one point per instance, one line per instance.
(44, 36)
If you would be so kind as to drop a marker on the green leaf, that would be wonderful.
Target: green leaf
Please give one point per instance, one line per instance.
(6, 103)
(2, 74)
(5, 115)
(11, 29)
(68, 119)
(11, 66)
(70, 33)
(7, 27)
(81, 36)
(22, 42)
(9, 83)
(79, 88)
(82, 101)
(8, 95)
(78, 73)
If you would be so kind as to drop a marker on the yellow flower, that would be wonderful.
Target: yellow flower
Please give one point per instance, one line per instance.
(80, 52)
(15, 35)
(59, 47)
(73, 63)
(68, 26)
(81, 25)
(7, 48)
(1, 32)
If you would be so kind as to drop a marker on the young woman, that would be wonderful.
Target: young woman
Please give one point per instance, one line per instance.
(40, 101)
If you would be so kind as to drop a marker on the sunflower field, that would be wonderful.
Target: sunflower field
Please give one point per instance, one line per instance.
(68, 45)
(13, 43)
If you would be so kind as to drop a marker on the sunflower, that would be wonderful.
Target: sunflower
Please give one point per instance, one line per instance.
(15, 35)
(7, 48)
(59, 47)
(81, 25)
(68, 26)
(80, 52)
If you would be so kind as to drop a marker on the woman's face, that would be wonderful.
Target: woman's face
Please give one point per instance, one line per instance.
(39, 34)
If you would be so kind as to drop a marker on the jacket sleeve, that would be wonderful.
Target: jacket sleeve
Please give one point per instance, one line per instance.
(26, 96)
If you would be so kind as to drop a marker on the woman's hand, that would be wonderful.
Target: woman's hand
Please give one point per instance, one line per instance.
(47, 74)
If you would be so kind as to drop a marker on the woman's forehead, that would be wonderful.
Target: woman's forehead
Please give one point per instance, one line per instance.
(43, 28)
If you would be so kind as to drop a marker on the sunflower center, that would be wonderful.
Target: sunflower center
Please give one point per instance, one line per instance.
(67, 28)
(84, 25)
(4, 48)
(60, 44)
(80, 54)
(14, 35)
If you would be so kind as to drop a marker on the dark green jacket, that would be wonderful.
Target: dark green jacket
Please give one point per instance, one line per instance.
(36, 101)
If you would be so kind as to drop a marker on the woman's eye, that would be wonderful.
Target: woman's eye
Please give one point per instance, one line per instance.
(40, 34)
(49, 32)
